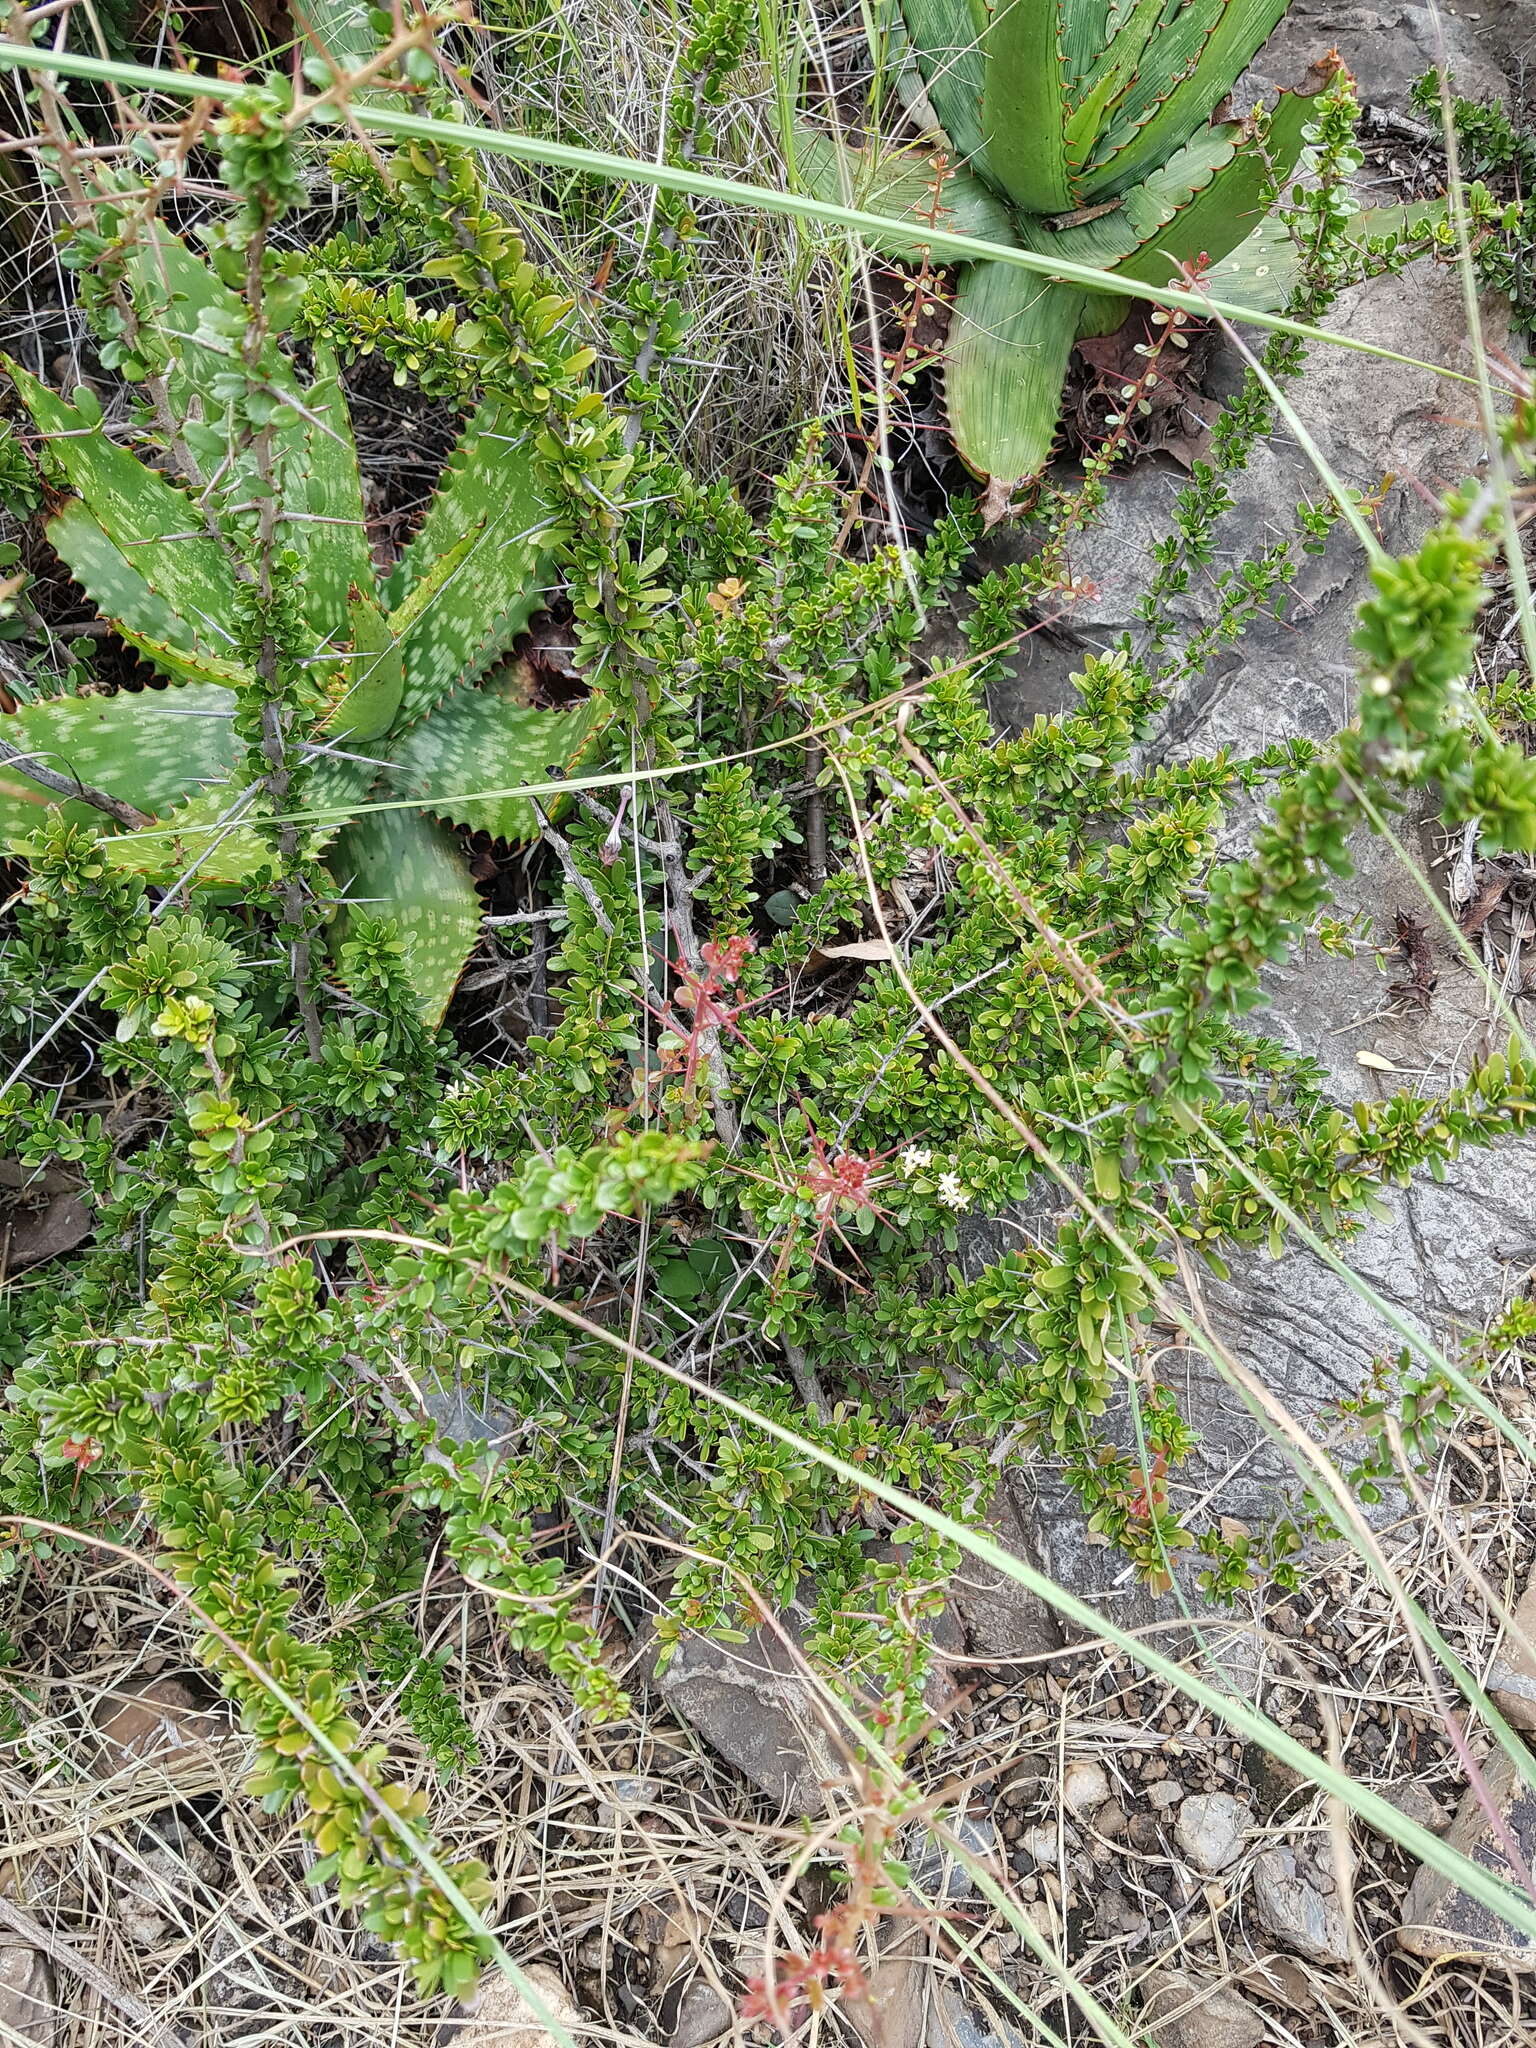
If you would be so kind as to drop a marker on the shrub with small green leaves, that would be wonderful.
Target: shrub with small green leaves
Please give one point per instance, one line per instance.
(721, 1137)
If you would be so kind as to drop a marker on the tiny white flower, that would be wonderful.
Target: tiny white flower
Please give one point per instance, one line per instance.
(952, 1192)
(916, 1159)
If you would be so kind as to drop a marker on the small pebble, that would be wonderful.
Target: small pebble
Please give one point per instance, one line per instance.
(1083, 1787)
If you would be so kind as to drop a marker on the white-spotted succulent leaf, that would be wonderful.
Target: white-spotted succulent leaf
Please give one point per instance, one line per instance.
(154, 526)
(484, 741)
(151, 748)
(489, 518)
(404, 866)
(394, 659)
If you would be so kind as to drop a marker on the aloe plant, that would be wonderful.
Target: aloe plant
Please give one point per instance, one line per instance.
(1085, 129)
(411, 701)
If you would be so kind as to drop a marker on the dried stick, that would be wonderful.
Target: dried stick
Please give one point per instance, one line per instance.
(71, 786)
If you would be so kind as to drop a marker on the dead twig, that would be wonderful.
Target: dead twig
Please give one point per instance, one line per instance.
(152, 2029)
(71, 787)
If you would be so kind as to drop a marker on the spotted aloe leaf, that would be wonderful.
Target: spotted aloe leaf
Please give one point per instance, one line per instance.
(409, 868)
(1263, 271)
(1194, 64)
(481, 555)
(124, 594)
(152, 748)
(153, 526)
(328, 529)
(373, 679)
(1229, 206)
(394, 658)
(1112, 70)
(483, 741)
(1205, 200)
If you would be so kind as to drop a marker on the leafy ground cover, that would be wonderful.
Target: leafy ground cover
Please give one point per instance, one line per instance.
(570, 1101)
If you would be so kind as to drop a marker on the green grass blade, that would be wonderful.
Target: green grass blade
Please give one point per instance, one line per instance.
(669, 177)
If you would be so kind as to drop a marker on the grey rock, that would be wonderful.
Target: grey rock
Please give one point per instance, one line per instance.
(1508, 30)
(624, 1797)
(1293, 1907)
(1166, 1793)
(1512, 1681)
(998, 1617)
(502, 2018)
(910, 2007)
(1181, 2011)
(935, 1871)
(1084, 1787)
(757, 1703)
(1210, 1829)
(955, 2022)
(754, 1702)
(1416, 1802)
(1439, 1918)
(703, 2016)
(1386, 46)
(28, 2012)
(161, 1732)
(1299, 1327)
(1371, 418)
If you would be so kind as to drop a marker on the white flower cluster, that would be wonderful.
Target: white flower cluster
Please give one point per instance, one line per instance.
(952, 1191)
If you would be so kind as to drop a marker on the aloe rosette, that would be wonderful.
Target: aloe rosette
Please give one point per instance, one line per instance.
(1082, 129)
(414, 703)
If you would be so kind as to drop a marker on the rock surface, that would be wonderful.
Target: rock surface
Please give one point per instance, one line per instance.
(754, 1702)
(160, 1729)
(28, 2011)
(1210, 1829)
(1417, 1803)
(1293, 1897)
(1181, 2011)
(759, 1706)
(703, 2016)
(1387, 47)
(1298, 1326)
(1512, 1680)
(937, 1873)
(998, 1617)
(1084, 1787)
(502, 2017)
(1439, 1919)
